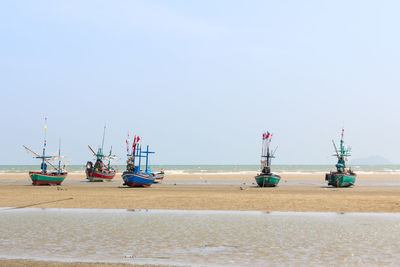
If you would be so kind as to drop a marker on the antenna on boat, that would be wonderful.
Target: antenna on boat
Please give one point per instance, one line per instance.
(273, 153)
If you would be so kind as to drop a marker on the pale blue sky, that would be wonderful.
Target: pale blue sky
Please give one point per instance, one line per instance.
(200, 81)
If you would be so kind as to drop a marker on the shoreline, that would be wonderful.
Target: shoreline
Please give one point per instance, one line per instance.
(195, 212)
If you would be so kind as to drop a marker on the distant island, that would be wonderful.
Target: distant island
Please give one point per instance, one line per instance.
(371, 160)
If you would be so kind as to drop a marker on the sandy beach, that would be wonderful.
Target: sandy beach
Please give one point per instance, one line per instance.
(308, 192)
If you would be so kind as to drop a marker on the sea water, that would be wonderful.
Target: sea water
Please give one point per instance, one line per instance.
(226, 169)
(200, 238)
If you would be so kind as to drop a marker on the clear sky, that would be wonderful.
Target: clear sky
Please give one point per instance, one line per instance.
(200, 81)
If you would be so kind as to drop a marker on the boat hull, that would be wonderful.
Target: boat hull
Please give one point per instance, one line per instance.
(338, 179)
(267, 180)
(159, 177)
(99, 176)
(133, 179)
(39, 178)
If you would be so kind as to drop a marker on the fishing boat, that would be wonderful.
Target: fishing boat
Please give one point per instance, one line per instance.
(99, 171)
(45, 177)
(134, 176)
(266, 178)
(343, 176)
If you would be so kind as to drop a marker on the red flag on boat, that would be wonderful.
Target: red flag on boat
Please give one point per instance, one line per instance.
(134, 141)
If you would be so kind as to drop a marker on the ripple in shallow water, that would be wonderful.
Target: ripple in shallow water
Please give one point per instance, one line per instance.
(200, 237)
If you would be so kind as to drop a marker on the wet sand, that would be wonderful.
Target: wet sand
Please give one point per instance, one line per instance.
(372, 193)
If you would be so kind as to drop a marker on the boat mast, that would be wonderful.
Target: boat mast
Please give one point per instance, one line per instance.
(44, 145)
(341, 143)
(342, 149)
(341, 154)
(133, 154)
(266, 153)
(147, 158)
(140, 155)
(109, 159)
(59, 156)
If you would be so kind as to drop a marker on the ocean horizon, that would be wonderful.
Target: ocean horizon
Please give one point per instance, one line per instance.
(227, 169)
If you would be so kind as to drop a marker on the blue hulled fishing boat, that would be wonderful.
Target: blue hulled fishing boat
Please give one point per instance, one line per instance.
(134, 176)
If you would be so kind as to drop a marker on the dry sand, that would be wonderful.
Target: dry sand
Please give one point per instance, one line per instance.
(372, 193)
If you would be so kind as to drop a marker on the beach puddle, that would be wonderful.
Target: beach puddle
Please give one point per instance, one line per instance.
(198, 238)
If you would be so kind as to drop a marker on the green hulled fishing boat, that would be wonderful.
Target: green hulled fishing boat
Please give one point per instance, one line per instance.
(45, 177)
(266, 178)
(343, 176)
